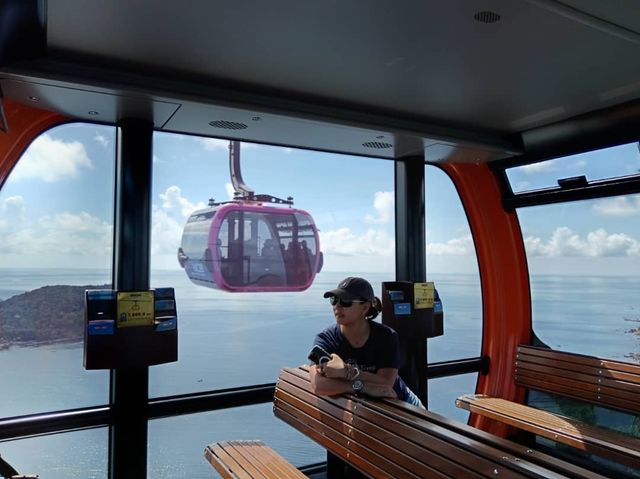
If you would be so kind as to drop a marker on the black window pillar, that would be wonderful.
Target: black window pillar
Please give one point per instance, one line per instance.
(411, 259)
(131, 265)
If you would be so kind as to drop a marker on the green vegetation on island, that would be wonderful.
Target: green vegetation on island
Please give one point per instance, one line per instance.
(45, 315)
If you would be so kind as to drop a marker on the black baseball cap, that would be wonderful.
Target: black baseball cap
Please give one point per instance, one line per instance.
(352, 288)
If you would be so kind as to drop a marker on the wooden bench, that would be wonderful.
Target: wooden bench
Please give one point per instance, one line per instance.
(390, 438)
(249, 460)
(612, 384)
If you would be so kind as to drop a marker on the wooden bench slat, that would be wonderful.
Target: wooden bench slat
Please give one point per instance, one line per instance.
(249, 460)
(265, 459)
(629, 406)
(439, 441)
(585, 378)
(340, 420)
(364, 466)
(589, 379)
(226, 465)
(387, 426)
(616, 398)
(611, 387)
(568, 369)
(576, 358)
(618, 447)
(240, 458)
(600, 436)
(558, 465)
(460, 472)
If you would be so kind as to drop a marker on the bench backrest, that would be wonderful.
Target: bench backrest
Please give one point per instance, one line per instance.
(614, 384)
(393, 439)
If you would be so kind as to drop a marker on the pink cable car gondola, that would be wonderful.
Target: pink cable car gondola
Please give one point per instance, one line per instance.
(248, 245)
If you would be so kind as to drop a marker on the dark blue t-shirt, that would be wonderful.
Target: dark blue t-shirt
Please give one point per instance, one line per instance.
(382, 350)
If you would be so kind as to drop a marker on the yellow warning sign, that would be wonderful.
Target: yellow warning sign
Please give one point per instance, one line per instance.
(135, 309)
(423, 295)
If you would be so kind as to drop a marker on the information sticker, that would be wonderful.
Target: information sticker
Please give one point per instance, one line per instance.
(423, 295)
(135, 309)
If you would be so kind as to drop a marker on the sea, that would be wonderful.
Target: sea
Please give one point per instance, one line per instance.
(236, 339)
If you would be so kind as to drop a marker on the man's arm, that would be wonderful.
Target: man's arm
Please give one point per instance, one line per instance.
(383, 377)
(377, 385)
(324, 386)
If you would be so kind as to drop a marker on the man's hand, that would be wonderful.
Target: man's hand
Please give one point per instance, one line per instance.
(335, 368)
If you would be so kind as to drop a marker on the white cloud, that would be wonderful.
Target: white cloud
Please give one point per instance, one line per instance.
(102, 140)
(72, 223)
(538, 167)
(214, 144)
(228, 187)
(12, 209)
(521, 186)
(576, 165)
(65, 234)
(173, 203)
(166, 233)
(462, 246)
(554, 165)
(383, 203)
(618, 206)
(52, 160)
(565, 243)
(169, 218)
(345, 242)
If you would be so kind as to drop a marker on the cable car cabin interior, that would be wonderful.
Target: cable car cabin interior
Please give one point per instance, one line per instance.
(486, 150)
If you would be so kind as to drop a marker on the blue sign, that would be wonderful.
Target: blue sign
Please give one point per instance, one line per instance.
(402, 309)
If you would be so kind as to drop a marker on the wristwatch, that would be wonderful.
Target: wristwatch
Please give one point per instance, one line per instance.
(358, 386)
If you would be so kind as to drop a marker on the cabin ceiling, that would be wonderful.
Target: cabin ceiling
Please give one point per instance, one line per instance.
(461, 80)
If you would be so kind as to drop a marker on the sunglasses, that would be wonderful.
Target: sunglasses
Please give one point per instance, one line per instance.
(345, 303)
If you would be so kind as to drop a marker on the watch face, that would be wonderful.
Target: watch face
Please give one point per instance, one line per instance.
(357, 386)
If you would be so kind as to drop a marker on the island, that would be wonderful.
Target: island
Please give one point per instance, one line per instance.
(46, 315)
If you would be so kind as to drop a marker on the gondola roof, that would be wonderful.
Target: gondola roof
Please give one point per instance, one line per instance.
(462, 80)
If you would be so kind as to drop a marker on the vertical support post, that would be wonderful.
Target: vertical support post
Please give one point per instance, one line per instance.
(411, 259)
(131, 271)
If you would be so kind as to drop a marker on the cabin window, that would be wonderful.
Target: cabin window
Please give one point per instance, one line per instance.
(452, 265)
(229, 339)
(584, 264)
(56, 233)
(617, 161)
(584, 261)
(61, 456)
(170, 455)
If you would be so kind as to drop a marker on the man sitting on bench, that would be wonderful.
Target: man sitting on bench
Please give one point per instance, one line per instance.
(358, 355)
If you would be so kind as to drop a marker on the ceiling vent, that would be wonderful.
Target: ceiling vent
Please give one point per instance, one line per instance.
(378, 145)
(486, 16)
(227, 125)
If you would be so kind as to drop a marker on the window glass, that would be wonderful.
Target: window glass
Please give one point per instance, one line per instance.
(453, 266)
(56, 229)
(612, 162)
(235, 339)
(72, 455)
(584, 264)
(176, 445)
(443, 393)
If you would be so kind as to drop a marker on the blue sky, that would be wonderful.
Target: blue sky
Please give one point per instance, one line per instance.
(56, 208)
